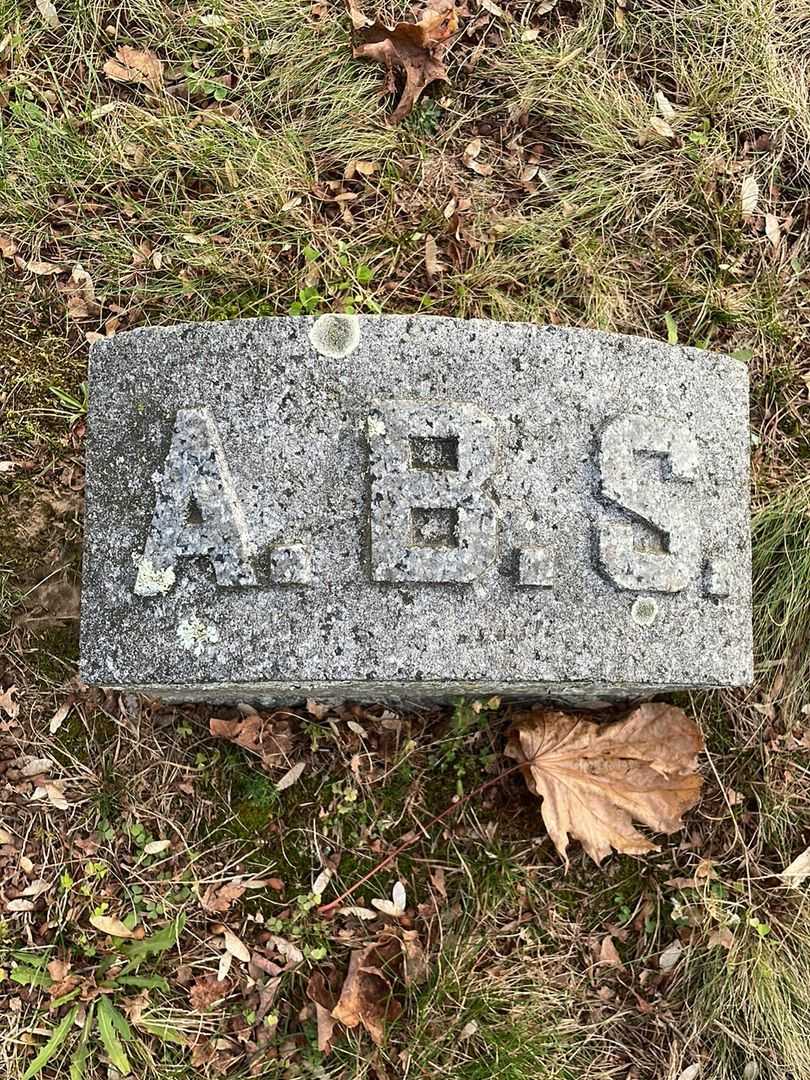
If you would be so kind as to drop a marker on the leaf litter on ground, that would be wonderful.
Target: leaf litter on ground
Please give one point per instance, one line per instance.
(413, 49)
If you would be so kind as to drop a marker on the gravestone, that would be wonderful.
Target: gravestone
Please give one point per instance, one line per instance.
(410, 508)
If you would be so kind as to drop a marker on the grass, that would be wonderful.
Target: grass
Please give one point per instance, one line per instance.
(234, 190)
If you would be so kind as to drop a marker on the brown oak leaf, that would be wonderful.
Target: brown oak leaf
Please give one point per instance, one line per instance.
(366, 996)
(272, 740)
(415, 49)
(596, 779)
(135, 66)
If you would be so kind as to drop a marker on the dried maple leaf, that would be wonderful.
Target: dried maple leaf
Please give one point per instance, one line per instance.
(366, 997)
(415, 49)
(271, 739)
(596, 779)
(135, 66)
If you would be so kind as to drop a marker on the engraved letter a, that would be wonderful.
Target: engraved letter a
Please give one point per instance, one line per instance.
(197, 512)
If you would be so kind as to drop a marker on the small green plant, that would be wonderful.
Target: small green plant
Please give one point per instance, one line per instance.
(307, 303)
(73, 408)
(425, 118)
(106, 1026)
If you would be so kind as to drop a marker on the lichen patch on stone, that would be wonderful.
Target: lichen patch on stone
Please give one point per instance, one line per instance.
(644, 611)
(335, 336)
(196, 635)
(150, 579)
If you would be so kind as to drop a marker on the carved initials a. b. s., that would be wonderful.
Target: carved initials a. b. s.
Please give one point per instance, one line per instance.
(432, 515)
(666, 517)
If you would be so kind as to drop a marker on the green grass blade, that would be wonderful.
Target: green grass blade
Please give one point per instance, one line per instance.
(52, 1046)
(79, 1059)
(108, 1028)
(163, 1032)
(155, 944)
(143, 982)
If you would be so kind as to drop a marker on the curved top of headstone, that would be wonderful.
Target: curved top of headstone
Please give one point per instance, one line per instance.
(410, 506)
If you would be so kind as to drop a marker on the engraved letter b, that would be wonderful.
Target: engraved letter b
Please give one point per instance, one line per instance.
(431, 518)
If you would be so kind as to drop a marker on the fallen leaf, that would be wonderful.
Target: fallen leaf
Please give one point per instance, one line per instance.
(206, 991)
(156, 847)
(472, 149)
(723, 937)
(135, 66)
(670, 956)
(272, 740)
(108, 924)
(493, 9)
(366, 996)
(7, 246)
(236, 947)
(20, 905)
(662, 128)
(414, 959)
(6, 837)
(224, 967)
(690, 1072)
(37, 888)
(54, 792)
(432, 265)
(42, 268)
(9, 703)
(595, 779)
(48, 13)
(396, 905)
(291, 953)
(749, 195)
(321, 881)
(664, 105)
(798, 871)
(359, 19)
(772, 230)
(36, 766)
(58, 717)
(359, 912)
(218, 898)
(322, 991)
(416, 49)
(609, 954)
(291, 776)
(58, 969)
(437, 878)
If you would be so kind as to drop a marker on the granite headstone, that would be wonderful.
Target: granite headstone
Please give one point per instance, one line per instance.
(411, 508)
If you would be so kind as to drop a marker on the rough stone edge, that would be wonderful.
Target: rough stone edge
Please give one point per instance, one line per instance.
(99, 348)
(579, 695)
